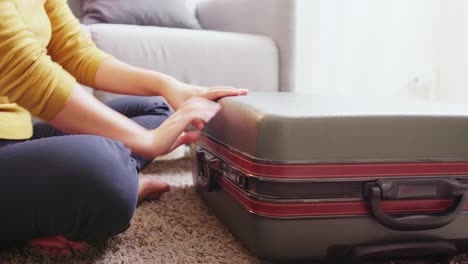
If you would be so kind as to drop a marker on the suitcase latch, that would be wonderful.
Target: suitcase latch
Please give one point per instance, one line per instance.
(208, 169)
(234, 175)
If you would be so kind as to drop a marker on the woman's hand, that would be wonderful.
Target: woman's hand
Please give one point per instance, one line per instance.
(119, 77)
(195, 111)
(178, 93)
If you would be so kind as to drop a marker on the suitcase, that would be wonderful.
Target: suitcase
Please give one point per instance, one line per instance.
(299, 176)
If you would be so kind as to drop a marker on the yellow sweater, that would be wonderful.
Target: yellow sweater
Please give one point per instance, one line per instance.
(37, 39)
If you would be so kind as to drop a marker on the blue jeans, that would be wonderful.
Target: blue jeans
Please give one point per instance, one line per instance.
(83, 187)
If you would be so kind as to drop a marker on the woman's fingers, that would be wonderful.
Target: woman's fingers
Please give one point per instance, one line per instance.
(171, 129)
(196, 111)
(219, 92)
(214, 94)
(185, 138)
(198, 124)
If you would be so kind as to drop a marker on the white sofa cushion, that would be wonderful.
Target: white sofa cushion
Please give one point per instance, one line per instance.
(200, 57)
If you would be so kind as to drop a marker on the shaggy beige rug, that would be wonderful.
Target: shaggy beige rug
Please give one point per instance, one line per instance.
(177, 229)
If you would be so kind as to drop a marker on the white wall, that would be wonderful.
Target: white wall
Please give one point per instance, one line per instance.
(453, 85)
(378, 47)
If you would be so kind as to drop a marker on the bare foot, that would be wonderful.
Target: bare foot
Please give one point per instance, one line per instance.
(151, 189)
(56, 245)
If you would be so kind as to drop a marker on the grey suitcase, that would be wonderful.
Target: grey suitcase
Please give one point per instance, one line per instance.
(310, 177)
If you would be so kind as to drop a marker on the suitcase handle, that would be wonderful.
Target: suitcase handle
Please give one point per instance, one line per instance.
(398, 189)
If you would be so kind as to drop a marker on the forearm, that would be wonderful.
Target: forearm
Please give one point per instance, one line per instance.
(84, 114)
(118, 77)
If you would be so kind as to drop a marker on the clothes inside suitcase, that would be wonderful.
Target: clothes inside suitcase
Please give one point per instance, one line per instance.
(309, 177)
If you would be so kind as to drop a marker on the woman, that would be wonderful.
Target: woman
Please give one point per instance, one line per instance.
(74, 178)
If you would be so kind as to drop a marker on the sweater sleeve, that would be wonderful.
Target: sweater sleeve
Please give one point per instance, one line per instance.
(28, 76)
(70, 46)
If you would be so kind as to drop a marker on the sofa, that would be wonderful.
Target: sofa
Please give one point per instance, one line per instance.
(242, 43)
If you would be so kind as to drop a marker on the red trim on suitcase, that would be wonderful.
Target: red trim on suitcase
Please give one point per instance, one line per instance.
(285, 171)
(329, 208)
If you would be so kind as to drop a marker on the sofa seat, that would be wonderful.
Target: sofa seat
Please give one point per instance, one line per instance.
(202, 57)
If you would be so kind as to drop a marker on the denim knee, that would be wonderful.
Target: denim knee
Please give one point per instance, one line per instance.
(111, 191)
(156, 106)
(82, 187)
(134, 106)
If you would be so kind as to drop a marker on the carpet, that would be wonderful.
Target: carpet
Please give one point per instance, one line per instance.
(179, 228)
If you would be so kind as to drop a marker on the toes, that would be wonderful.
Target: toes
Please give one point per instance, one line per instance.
(77, 245)
(55, 246)
(151, 189)
(46, 250)
(165, 190)
(65, 252)
(50, 251)
(46, 242)
(55, 251)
